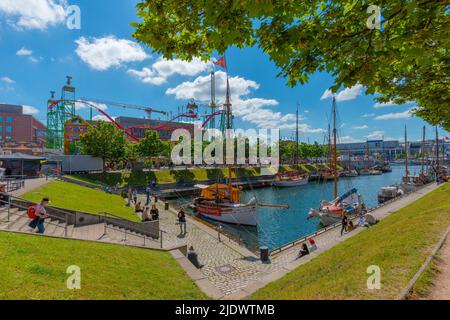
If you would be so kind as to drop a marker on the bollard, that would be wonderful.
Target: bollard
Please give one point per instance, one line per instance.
(166, 206)
(264, 254)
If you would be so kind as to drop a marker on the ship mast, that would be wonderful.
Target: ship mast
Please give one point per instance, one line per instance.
(296, 139)
(406, 157)
(423, 150)
(228, 111)
(335, 149)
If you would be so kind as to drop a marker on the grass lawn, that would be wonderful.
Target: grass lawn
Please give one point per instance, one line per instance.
(71, 196)
(35, 268)
(399, 245)
(165, 176)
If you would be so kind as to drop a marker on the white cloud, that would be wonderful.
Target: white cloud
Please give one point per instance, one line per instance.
(101, 117)
(360, 127)
(104, 53)
(375, 135)
(378, 105)
(384, 104)
(162, 69)
(344, 95)
(7, 80)
(30, 110)
(392, 116)
(34, 14)
(254, 110)
(24, 52)
(368, 115)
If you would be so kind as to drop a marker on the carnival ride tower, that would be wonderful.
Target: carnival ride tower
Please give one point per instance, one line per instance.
(58, 112)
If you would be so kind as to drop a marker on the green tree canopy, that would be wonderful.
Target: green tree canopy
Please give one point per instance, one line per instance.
(151, 145)
(105, 141)
(406, 59)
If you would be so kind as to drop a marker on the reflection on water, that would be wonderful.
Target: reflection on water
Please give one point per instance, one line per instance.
(280, 226)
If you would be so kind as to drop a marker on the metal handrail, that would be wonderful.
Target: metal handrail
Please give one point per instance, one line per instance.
(337, 224)
(135, 234)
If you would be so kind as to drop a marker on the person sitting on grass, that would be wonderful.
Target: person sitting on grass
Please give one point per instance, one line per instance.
(146, 214)
(351, 226)
(303, 251)
(193, 258)
(40, 214)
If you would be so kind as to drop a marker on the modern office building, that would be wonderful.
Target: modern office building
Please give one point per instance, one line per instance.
(374, 147)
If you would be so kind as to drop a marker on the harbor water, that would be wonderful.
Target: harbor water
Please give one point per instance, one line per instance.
(279, 226)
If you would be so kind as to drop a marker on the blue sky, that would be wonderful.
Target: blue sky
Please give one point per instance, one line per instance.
(37, 51)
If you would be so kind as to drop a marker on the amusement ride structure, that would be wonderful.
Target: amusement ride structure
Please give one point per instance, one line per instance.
(59, 111)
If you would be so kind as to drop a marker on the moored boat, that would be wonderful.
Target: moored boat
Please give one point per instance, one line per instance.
(389, 193)
(350, 203)
(216, 203)
(329, 213)
(350, 173)
(290, 179)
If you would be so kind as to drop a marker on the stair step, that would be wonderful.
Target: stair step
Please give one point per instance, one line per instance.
(60, 230)
(4, 213)
(16, 221)
(50, 226)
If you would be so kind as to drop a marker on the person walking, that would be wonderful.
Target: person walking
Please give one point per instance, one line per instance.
(40, 214)
(148, 193)
(344, 224)
(182, 221)
(135, 196)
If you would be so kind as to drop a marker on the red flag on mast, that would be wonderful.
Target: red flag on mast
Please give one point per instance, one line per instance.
(221, 62)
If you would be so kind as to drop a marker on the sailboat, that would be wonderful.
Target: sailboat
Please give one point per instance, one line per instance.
(292, 178)
(423, 178)
(368, 171)
(350, 203)
(222, 202)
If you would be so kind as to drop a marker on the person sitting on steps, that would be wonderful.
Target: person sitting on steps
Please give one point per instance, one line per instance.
(154, 212)
(193, 258)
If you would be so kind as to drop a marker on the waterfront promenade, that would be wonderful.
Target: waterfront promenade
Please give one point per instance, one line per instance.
(233, 272)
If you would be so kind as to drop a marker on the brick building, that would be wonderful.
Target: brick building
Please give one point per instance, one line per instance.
(138, 126)
(19, 131)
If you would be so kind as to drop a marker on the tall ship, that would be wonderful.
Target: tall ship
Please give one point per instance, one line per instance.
(349, 203)
(222, 202)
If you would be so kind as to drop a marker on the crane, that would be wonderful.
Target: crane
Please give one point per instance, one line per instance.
(148, 110)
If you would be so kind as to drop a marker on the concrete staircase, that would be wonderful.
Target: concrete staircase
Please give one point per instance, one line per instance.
(102, 232)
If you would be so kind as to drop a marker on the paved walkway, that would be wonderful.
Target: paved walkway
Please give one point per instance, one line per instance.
(234, 270)
(441, 284)
(30, 184)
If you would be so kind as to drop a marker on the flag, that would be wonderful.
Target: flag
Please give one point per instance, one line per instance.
(221, 62)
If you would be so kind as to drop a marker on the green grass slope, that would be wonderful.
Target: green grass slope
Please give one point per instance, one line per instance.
(71, 196)
(399, 245)
(35, 268)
